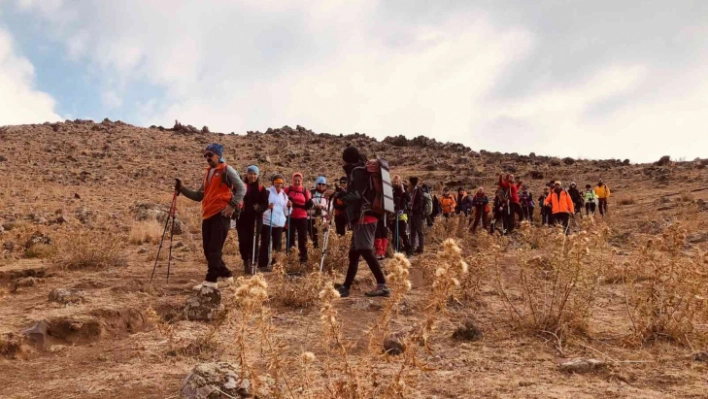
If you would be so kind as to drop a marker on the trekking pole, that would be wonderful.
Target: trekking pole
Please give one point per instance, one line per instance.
(270, 238)
(287, 239)
(253, 254)
(325, 242)
(172, 233)
(164, 231)
(397, 231)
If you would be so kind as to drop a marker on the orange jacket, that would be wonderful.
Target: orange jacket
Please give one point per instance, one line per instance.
(560, 202)
(217, 194)
(447, 202)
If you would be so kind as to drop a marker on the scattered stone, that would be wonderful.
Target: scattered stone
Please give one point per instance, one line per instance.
(394, 345)
(142, 250)
(8, 246)
(701, 357)
(3, 158)
(467, 332)
(66, 296)
(77, 196)
(664, 161)
(9, 225)
(580, 366)
(25, 282)
(204, 305)
(217, 380)
(555, 162)
(157, 212)
(37, 238)
(568, 160)
(84, 215)
(626, 162)
(37, 333)
(536, 175)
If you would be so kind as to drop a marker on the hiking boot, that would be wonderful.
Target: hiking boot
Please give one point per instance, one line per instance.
(209, 284)
(380, 290)
(227, 282)
(343, 291)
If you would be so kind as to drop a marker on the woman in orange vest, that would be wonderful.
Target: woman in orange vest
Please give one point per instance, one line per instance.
(447, 203)
(221, 192)
(561, 205)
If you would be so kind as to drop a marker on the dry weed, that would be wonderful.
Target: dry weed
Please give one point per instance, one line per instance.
(91, 249)
(296, 292)
(145, 232)
(40, 251)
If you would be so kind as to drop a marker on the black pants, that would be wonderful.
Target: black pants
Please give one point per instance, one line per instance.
(418, 236)
(214, 233)
(340, 224)
(362, 246)
(564, 219)
(404, 244)
(298, 231)
(509, 216)
(590, 208)
(312, 231)
(381, 231)
(603, 206)
(527, 213)
(546, 216)
(277, 239)
(248, 226)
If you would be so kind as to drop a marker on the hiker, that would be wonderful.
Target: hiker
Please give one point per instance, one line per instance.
(501, 212)
(435, 207)
(220, 194)
(603, 194)
(461, 195)
(418, 214)
(447, 203)
(319, 210)
(363, 223)
(301, 201)
(546, 211)
(340, 216)
(577, 197)
(527, 204)
(467, 204)
(249, 222)
(277, 214)
(480, 202)
(561, 205)
(380, 239)
(401, 202)
(590, 200)
(512, 195)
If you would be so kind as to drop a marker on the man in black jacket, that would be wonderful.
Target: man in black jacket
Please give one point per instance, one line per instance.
(251, 219)
(401, 201)
(340, 216)
(363, 223)
(417, 215)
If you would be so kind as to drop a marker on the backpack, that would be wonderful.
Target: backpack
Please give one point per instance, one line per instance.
(427, 204)
(378, 196)
(308, 203)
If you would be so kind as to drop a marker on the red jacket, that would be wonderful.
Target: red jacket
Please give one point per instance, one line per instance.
(299, 197)
(511, 188)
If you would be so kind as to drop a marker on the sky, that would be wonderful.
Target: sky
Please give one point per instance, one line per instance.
(587, 79)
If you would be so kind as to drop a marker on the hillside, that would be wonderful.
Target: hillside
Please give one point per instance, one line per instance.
(81, 206)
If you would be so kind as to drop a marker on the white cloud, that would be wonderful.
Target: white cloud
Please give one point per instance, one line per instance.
(20, 102)
(385, 69)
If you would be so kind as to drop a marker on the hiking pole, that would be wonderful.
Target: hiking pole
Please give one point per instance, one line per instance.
(325, 242)
(253, 253)
(164, 232)
(270, 237)
(397, 231)
(287, 238)
(172, 232)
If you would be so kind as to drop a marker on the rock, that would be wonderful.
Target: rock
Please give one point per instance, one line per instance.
(204, 305)
(394, 345)
(77, 196)
(555, 162)
(697, 237)
(37, 238)
(700, 357)
(37, 333)
(536, 175)
(568, 160)
(25, 282)
(84, 215)
(664, 161)
(3, 158)
(61, 219)
(579, 365)
(205, 129)
(9, 225)
(8, 246)
(66, 296)
(142, 250)
(152, 211)
(467, 332)
(217, 380)
(626, 162)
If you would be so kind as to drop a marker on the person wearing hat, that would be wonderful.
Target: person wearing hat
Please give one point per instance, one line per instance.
(577, 198)
(273, 234)
(603, 194)
(417, 214)
(363, 224)
(320, 208)
(250, 220)
(300, 201)
(590, 200)
(220, 193)
(447, 203)
(561, 205)
(340, 216)
(512, 196)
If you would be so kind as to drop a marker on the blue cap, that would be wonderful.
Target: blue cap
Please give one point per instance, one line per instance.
(254, 169)
(321, 180)
(217, 149)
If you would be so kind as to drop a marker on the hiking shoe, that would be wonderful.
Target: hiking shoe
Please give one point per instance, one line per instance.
(209, 284)
(227, 282)
(343, 291)
(380, 290)
(380, 257)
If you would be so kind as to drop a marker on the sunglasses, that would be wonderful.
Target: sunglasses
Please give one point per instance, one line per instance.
(208, 155)
(321, 184)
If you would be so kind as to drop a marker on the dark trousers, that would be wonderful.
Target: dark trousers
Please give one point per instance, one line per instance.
(501, 218)
(404, 244)
(480, 214)
(248, 227)
(214, 233)
(381, 231)
(418, 236)
(602, 202)
(362, 246)
(509, 216)
(562, 218)
(312, 231)
(546, 216)
(527, 213)
(277, 239)
(340, 224)
(590, 208)
(298, 231)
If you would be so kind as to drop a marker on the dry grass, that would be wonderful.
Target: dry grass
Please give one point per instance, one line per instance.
(91, 249)
(145, 232)
(631, 200)
(41, 251)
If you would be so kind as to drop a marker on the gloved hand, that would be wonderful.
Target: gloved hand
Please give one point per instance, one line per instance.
(178, 185)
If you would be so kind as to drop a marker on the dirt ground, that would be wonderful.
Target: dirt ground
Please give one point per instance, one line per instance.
(108, 347)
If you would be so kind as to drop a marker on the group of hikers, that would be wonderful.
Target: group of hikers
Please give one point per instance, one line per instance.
(263, 216)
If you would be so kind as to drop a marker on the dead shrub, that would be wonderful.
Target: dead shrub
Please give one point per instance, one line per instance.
(145, 232)
(631, 200)
(91, 249)
(296, 292)
(40, 251)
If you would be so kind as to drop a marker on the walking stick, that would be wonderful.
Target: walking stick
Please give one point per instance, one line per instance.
(172, 232)
(325, 243)
(253, 254)
(397, 231)
(287, 239)
(164, 231)
(270, 238)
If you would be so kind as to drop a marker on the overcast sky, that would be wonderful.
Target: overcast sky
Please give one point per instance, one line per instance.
(593, 79)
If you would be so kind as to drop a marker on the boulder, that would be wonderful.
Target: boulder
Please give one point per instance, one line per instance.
(536, 175)
(66, 296)
(151, 211)
(701, 357)
(664, 161)
(204, 305)
(468, 331)
(37, 238)
(580, 366)
(221, 381)
(568, 160)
